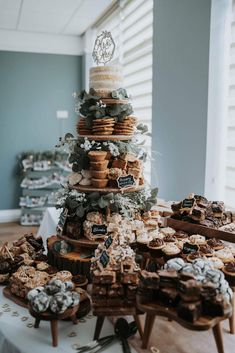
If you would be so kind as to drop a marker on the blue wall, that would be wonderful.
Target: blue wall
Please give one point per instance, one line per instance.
(32, 88)
(180, 95)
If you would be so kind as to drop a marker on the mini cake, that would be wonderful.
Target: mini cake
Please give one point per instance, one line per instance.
(167, 231)
(100, 166)
(215, 244)
(96, 156)
(171, 250)
(225, 255)
(216, 263)
(180, 234)
(229, 271)
(197, 239)
(206, 250)
(155, 246)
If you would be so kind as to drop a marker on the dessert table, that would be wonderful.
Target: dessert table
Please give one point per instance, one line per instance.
(17, 334)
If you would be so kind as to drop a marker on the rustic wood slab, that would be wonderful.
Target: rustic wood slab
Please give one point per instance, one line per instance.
(107, 137)
(203, 323)
(107, 189)
(198, 229)
(114, 101)
(83, 242)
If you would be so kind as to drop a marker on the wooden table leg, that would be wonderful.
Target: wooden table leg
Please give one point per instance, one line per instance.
(232, 318)
(218, 338)
(149, 321)
(37, 322)
(139, 326)
(54, 332)
(74, 319)
(98, 326)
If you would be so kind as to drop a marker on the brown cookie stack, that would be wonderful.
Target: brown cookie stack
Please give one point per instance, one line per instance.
(82, 129)
(103, 126)
(125, 127)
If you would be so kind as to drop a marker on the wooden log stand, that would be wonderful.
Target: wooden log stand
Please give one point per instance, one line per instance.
(54, 318)
(101, 313)
(203, 323)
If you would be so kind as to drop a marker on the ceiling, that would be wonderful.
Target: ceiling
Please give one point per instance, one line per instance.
(54, 17)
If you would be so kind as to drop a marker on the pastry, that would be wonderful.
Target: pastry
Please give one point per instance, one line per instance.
(167, 231)
(189, 311)
(189, 290)
(224, 255)
(215, 244)
(229, 272)
(99, 183)
(216, 263)
(180, 234)
(100, 166)
(197, 239)
(97, 174)
(96, 156)
(206, 250)
(171, 250)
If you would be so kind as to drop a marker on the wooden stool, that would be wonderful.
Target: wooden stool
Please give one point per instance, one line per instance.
(232, 318)
(54, 318)
(203, 323)
(101, 313)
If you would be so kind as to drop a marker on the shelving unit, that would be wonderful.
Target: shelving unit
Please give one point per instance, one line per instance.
(39, 187)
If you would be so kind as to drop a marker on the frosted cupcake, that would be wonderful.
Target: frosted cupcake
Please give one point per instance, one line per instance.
(170, 251)
(197, 239)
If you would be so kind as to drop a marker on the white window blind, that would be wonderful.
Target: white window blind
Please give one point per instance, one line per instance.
(230, 133)
(131, 25)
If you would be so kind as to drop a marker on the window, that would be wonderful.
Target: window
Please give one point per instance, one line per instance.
(230, 133)
(131, 25)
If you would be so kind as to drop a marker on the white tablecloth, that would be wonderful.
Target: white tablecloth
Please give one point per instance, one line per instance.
(49, 223)
(17, 337)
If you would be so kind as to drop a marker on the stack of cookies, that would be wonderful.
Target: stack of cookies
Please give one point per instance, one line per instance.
(98, 168)
(82, 128)
(103, 126)
(125, 127)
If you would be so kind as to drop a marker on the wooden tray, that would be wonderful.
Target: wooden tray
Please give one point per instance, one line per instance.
(203, 323)
(198, 229)
(108, 189)
(107, 137)
(114, 101)
(86, 243)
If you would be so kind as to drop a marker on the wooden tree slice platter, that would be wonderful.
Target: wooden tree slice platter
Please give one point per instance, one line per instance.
(203, 323)
(115, 101)
(116, 311)
(107, 137)
(83, 242)
(17, 300)
(107, 189)
(199, 229)
(77, 261)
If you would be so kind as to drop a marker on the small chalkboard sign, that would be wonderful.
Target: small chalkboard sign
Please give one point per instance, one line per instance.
(108, 242)
(62, 220)
(189, 248)
(188, 203)
(99, 229)
(104, 259)
(125, 181)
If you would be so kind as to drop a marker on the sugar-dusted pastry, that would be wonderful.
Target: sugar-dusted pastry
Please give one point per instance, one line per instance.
(225, 255)
(216, 263)
(197, 239)
(171, 250)
(167, 231)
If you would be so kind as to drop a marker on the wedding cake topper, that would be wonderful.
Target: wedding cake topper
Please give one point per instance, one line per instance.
(104, 48)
